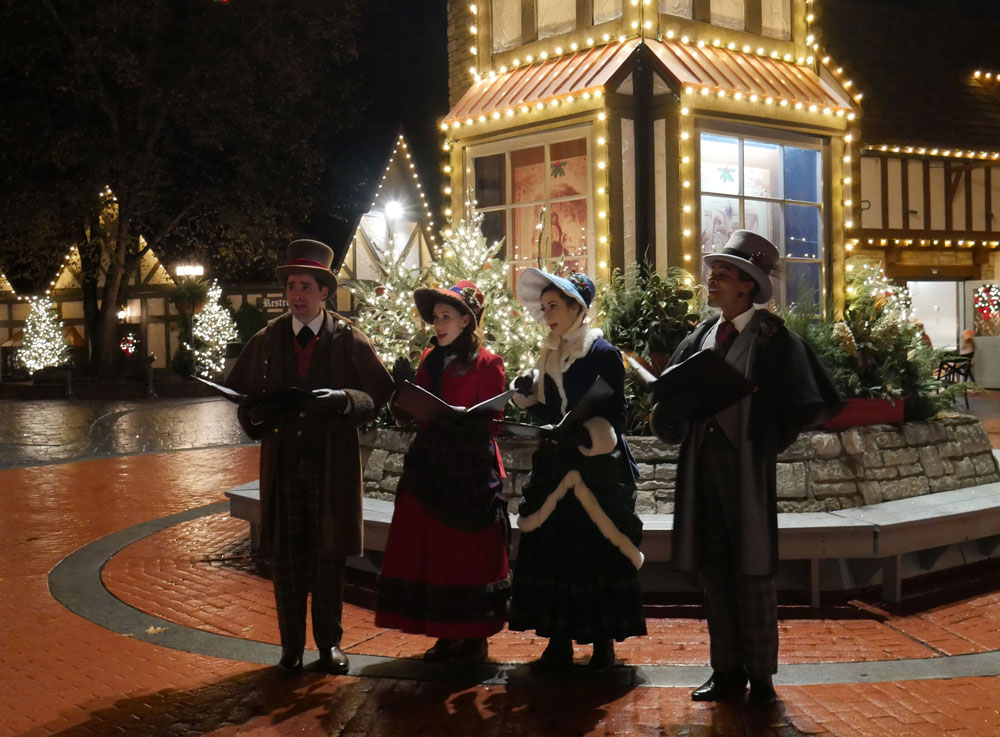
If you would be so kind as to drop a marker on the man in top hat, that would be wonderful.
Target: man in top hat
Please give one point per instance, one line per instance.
(725, 513)
(310, 463)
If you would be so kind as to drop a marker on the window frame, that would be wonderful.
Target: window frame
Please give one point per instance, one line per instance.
(530, 140)
(782, 138)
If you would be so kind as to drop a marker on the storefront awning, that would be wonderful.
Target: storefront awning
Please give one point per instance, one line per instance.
(686, 65)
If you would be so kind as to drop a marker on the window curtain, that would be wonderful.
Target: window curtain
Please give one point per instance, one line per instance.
(605, 10)
(776, 19)
(682, 8)
(728, 14)
(555, 17)
(506, 24)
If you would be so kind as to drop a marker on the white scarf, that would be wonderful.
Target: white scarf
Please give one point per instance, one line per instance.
(559, 353)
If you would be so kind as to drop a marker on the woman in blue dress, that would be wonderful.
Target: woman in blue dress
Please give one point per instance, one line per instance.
(576, 577)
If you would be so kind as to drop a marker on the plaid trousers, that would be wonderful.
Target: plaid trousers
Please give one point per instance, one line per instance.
(742, 611)
(298, 567)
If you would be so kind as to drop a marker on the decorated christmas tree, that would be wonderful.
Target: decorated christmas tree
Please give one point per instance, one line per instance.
(466, 254)
(43, 343)
(214, 329)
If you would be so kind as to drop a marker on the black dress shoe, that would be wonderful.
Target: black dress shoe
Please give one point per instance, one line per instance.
(762, 692)
(556, 657)
(291, 661)
(603, 658)
(333, 661)
(471, 650)
(721, 685)
(441, 650)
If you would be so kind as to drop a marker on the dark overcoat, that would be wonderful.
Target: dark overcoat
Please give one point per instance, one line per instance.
(794, 393)
(344, 359)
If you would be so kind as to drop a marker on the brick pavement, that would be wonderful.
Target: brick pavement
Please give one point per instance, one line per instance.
(64, 675)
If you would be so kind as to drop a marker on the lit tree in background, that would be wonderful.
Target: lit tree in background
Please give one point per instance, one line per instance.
(388, 316)
(43, 343)
(466, 254)
(214, 329)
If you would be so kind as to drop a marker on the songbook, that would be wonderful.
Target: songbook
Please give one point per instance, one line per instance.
(425, 406)
(588, 406)
(288, 395)
(705, 380)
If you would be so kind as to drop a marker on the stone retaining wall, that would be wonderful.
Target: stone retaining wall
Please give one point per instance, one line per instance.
(821, 471)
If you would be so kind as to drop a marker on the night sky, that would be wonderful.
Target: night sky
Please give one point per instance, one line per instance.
(405, 67)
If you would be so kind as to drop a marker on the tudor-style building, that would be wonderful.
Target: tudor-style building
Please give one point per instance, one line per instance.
(927, 159)
(606, 132)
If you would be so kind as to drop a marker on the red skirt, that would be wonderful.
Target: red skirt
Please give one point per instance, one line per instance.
(439, 581)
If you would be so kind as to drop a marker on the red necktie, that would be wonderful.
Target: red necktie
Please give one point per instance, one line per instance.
(725, 336)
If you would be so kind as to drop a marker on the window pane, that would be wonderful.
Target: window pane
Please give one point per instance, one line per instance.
(490, 180)
(720, 216)
(568, 229)
(524, 239)
(605, 10)
(494, 225)
(761, 169)
(802, 174)
(802, 282)
(763, 218)
(802, 232)
(683, 8)
(527, 168)
(575, 264)
(506, 24)
(727, 13)
(776, 18)
(720, 164)
(555, 16)
(568, 168)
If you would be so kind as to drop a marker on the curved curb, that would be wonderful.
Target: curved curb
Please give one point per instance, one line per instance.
(75, 582)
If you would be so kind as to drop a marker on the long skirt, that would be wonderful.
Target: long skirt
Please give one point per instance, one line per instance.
(440, 581)
(570, 581)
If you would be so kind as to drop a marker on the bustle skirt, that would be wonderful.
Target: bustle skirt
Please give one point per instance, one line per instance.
(445, 572)
(570, 581)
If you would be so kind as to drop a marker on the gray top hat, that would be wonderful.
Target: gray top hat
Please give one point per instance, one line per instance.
(752, 254)
(309, 257)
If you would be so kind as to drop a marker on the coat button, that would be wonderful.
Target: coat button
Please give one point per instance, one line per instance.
(302, 414)
(299, 433)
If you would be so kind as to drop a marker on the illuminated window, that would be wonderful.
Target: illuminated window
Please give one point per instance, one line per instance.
(555, 17)
(776, 19)
(772, 185)
(607, 10)
(535, 194)
(728, 14)
(506, 24)
(681, 8)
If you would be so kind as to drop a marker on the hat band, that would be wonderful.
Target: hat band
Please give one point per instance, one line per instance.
(751, 257)
(310, 262)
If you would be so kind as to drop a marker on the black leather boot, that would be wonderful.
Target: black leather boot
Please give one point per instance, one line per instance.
(443, 649)
(291, 661)
(603, 658)
(332, 660)
(762, 691)
(558, 655)
(721, 685)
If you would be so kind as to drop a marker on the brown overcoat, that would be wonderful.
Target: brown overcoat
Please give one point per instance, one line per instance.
(344, 359)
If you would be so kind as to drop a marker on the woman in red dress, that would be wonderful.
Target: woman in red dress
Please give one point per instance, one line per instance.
(445, 572)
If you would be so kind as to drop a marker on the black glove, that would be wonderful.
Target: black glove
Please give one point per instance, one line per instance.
(523, 384)
(402, 371)
(670, 422)
(260, 412)
(581, 436)
(330, 400)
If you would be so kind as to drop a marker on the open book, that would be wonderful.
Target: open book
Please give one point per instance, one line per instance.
(588, 406)
(428, 408)
(289, 395)
(705, 383)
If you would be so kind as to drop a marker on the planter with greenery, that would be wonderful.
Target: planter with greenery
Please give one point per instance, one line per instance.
(189, 295)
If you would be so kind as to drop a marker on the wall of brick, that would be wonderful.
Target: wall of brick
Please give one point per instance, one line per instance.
(459, 40)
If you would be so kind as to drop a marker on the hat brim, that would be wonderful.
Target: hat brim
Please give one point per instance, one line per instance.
(426, 297)
(532, 282)
(756, 274)
(324, 277)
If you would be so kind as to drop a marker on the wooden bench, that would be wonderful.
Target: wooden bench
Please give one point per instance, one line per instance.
(879, 532)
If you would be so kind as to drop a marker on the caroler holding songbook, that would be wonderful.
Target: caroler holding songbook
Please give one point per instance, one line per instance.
(576, 578)
(445, 572)
(725, 510)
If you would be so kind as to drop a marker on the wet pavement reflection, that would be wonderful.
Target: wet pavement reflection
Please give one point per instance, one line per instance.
(38, 432)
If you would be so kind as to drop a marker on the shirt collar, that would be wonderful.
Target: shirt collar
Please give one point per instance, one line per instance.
(743, 319)
(315, 324)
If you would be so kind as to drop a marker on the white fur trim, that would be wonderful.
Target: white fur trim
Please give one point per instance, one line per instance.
(603, 439)
(598, 516)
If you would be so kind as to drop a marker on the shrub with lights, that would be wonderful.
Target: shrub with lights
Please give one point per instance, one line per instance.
(43, 343)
